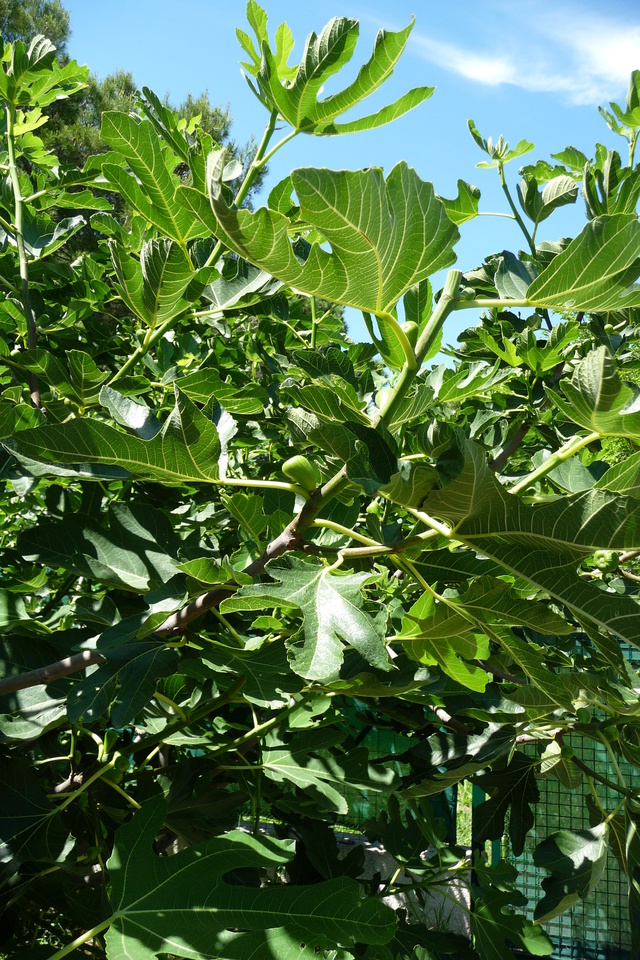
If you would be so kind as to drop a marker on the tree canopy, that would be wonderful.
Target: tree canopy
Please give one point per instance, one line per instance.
(236, 543)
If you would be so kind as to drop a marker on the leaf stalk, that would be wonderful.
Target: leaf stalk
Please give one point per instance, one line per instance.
(18, 204)
(567, 450)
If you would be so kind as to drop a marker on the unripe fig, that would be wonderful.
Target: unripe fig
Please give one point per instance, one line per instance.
(606, 560)
(608, 328)
(382, 396)
(375, 508)
(611, 732)
(567, 752)
(299, 470)
(411, 331)
(120, 761)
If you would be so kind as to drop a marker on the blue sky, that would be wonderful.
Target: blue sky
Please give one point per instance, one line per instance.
(534, 69)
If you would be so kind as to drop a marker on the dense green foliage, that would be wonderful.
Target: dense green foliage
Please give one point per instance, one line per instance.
(233, 539)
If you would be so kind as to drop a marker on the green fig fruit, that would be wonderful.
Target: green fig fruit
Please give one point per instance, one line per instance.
(606, 560)
(382, 397)
(411, 331)
(299, 470)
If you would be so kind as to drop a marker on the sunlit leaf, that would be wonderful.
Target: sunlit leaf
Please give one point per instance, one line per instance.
(598, 400)
(185, 906)
(332, 608)
(597, 271)
(373, 225)
(294, 93)
(186, 449)
(575, 860)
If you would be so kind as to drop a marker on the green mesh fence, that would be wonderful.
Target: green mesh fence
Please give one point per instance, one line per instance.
(380, 742)
(597, 928)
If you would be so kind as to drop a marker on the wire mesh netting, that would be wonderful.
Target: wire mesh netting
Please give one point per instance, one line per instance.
(380, 742)
(597, 928)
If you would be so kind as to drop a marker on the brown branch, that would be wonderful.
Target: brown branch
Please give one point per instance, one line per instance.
(548, 734)
(510, 448)
(598, 776)
(499, 675)
(289, 539)
(75, 780)
(628, 555)
(53, 671)
(450, 721)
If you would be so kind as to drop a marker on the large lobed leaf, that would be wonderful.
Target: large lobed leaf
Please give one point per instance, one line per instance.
(150, 186)
(385, 235)
(596, 271)
(332, 608)
(323, 773)
(293, 92)
(183, 905)
(543, 543)
(124, 552)
(156, 289)
(598, 400)
(186, 448)
(576, 860)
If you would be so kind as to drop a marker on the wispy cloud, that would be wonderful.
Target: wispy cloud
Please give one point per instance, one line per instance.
(556, 49)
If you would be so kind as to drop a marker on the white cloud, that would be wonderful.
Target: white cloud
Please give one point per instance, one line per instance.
(555, 49)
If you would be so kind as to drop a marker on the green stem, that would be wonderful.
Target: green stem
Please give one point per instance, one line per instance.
(263, 484)
(258, 161)
(516, 214)
(431, 522)
(179, 712)
(22, 256)
(326, 493)
(314, 323)
(373, 548)
(265, 159)
(262, 728)
(616, 810)
(597, 798)
(346, 532)
(123, 793)
(197, 715)
(6, 225)
(76, 793)
(567, 450)
(225, 623)
(490, 303)
(614, 762)
(426, 340)
(409, 352)
(150, 341)
(257, 799)
(70, 947)
(388, 549)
